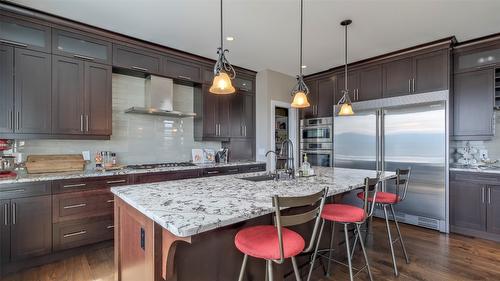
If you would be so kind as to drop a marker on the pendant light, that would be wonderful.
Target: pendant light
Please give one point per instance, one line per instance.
(300, 91)
(345, 102)
(223, 70)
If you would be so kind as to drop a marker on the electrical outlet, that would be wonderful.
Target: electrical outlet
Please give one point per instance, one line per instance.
(483, 154)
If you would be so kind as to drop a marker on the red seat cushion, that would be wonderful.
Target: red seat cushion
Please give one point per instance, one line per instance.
(262, 242)
(342, 213)
(382, 197)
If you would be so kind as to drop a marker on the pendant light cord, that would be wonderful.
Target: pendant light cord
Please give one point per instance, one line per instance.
(221, 28)
(345, 85)
(301, 29)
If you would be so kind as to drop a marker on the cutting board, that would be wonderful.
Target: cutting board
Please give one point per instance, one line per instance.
(37, 164)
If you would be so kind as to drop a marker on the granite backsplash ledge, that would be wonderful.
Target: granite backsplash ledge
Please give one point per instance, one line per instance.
(136, 138)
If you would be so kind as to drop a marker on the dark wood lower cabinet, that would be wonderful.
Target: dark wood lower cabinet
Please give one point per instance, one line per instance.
(77, 233)
(6, 89)
(493, 209)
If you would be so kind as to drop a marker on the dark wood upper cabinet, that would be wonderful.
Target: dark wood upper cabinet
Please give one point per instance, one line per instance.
(370, 83)
(431, 72)
(493, 211)
(81, 98)
(81, 46)
(24, 34)
(6, 89)
(397, 77)
(248, 120)
(352, 83)
(32, 89)
(31, 227)
(67, 95)
(482, 55)
(473, 102)
(98, 107)
(312, 97)
(224, 119)
(206, 106)
(241, 115)
(178, 68)
(136, 59)
(243, 84)
(324, 107)
(467, 205)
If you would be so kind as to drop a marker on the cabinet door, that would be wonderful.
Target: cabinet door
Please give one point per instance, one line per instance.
(31, 227)
(249, 115)
(493, 196)
(80, 46)
(473, 101)
(310, 112)
(352, 83)
(467, 205)
(370, 83)
(98, 99)
(5, 231)
(242, 149)
(431, 72)
(210, 113)
(236, 115)
(397, 77)
(32, 89)
(325, 97)
(136, 59)
(243, 84)
(67, 95)
(6, 89)
(24, 34)
(224, 110)
(181, 69)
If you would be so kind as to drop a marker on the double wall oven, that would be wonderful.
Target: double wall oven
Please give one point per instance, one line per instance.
(316, 140)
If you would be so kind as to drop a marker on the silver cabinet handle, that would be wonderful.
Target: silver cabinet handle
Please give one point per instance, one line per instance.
(81, 122)
(75, 206)
(110, 201)
(18, 120)
(139, 68)
(11, 121)
(14, 215)
(413, 82)
(83, 57)
(17, 44)
(6, 214)
(74, 185)
(233, 170)
(110, 226)
(212, 172)
(184, 77)
(86, 123)
(245, 130)
(409, 85)
(116, 181)
(482, 195)
(489, 195)
(81, 232)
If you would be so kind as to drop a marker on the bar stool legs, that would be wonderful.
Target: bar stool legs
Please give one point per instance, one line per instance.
(296, 269)
(390, 241)
(364, 251)
(316, 250)
(330, 252)
(269, 270)
(243, 267)
(399, 234)
(348, 247)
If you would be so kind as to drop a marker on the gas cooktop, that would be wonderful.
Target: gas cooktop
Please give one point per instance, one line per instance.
(161, 165)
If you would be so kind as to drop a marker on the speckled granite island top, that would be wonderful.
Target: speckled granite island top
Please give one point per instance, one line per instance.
(192, 206)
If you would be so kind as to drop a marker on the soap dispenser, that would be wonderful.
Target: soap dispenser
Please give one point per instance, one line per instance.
(306, 167)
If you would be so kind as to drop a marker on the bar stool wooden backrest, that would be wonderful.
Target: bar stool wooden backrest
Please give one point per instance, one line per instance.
(370, 191)
(280, 220)
(402, 180)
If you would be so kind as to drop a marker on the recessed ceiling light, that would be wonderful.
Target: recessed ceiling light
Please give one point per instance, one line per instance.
(230, 38)
(304, 66)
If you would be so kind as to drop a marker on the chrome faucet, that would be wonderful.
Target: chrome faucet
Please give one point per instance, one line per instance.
(289, 159)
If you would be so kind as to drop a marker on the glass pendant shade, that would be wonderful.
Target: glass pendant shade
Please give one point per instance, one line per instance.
(346, 110)
(222, 85)
(300, 100)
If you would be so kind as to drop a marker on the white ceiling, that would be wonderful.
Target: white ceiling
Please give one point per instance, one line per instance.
(266, 31)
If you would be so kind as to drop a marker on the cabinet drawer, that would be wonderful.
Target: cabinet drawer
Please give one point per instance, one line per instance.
(165, 176)
(253, 168)
(136, 59)
(483, 178)
(80, 46)
(24, 34)
(82, 232)
(74, 185)
(20, 190)
(181, 69)
(78, 205)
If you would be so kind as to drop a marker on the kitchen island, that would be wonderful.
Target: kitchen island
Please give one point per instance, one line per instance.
(184, 230)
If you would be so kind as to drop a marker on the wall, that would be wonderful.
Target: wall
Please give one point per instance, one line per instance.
(271, 86)
(136, 138)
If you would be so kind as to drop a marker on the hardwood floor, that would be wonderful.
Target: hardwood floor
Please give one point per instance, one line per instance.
(434, 257)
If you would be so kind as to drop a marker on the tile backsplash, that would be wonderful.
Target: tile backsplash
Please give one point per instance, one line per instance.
(136, 138)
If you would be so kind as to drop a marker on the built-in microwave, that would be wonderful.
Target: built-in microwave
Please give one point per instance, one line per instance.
(316, 130)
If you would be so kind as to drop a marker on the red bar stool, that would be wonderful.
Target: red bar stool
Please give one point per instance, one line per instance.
(388, 199)
(275, 243)
(346, 215)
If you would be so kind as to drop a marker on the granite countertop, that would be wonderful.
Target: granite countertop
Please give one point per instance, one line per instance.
(23, 177)
(188, 207)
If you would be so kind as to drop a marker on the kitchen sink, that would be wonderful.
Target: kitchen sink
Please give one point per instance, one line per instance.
(260, 178)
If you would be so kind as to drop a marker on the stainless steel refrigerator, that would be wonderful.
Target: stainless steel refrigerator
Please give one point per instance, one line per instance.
(387, 134)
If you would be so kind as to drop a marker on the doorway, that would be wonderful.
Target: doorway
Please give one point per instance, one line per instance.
(284, 125)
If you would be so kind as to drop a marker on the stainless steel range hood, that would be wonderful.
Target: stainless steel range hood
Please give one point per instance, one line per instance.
(159, 99)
